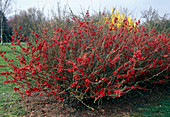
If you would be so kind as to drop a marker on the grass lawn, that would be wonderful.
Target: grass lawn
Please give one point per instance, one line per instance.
(152, 103)
(157, 103)
(9, 99)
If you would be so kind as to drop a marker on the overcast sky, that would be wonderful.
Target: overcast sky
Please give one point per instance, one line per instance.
(135, 6)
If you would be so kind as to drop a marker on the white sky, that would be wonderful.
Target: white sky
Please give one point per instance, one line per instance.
(163, 6)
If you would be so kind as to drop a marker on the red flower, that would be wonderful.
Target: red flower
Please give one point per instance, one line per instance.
(109, 92)
(16, 89)
(12, 47)
(93, 48)
(19, 27)
(87, 13)
(36, 35)
(117, 92)
(91, 96)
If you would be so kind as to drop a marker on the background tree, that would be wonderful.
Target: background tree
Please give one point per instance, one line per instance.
(30, 20)
(4, 7)
(5, 32)
(154, 20)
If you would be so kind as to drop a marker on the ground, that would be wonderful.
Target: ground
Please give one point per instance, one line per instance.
(154, 102)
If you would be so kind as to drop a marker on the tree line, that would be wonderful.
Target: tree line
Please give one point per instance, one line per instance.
(33, 20)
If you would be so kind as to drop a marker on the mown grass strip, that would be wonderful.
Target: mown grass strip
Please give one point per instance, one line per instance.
(9, 100)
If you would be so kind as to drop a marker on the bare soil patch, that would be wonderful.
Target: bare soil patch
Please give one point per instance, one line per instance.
(47, 106)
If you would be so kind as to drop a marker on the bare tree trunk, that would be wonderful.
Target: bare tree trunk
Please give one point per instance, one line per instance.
(1, 31)
(1, 22)
(3, 8)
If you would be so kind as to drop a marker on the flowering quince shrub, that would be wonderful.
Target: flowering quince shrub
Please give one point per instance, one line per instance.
(89, 61)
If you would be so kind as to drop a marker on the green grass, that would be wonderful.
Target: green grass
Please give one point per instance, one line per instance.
(162, 110)
(10, 101)
(155, 111)
(158, 104)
